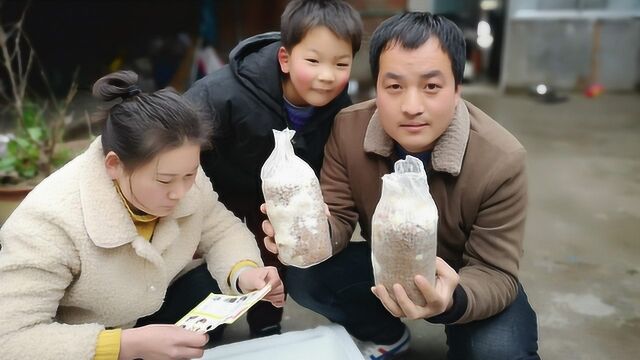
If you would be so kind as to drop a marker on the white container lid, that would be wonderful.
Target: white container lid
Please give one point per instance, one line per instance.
(321, 343)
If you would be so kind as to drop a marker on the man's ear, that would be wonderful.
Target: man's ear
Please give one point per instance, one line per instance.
(283, 59)
(114, 166)
(458, 93)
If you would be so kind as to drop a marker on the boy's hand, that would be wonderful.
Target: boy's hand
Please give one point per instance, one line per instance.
(269, 240)
(155, 342)
(257, 278)
(439, 298)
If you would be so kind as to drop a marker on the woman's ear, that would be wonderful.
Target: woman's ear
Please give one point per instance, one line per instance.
(114, 166)
(283, 59)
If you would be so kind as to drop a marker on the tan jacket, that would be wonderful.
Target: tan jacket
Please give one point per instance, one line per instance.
(72, 262)
(477, 179)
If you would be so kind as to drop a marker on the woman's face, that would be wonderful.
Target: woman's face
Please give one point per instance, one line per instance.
(157, 186)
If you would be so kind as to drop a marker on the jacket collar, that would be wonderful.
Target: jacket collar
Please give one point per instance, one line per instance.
(107, 220)
(448, 152)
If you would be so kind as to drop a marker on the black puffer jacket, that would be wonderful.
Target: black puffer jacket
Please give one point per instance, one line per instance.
(244, 101)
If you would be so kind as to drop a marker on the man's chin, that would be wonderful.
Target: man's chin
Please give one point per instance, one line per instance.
(415, 148)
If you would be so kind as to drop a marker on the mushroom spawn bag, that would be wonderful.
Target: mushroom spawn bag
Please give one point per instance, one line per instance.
(404, 230)
(295, 205)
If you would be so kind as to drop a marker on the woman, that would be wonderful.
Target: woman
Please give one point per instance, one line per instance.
(98, 244)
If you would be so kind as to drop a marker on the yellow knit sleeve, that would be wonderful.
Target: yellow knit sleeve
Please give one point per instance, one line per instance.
(234, 274)
(108, 347)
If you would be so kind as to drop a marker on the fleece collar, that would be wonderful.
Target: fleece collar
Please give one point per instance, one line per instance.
(448, 152)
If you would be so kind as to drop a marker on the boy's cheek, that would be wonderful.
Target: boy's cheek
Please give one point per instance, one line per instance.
(304, 76)
(343, 79)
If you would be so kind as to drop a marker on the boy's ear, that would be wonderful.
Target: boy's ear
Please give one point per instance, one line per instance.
(114, 166)
(283, 59)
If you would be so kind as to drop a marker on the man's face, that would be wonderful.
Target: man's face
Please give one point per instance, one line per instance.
(318, 68)
(416, 94)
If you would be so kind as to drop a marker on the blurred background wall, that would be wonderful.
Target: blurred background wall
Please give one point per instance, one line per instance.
(516, 44)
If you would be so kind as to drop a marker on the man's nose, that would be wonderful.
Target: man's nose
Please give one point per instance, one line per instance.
(412, 103)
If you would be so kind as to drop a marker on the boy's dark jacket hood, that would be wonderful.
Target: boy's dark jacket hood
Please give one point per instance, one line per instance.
(247, 62)
(244, 100)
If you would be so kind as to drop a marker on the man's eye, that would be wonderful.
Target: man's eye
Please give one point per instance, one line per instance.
(394, 87)
(433, 86)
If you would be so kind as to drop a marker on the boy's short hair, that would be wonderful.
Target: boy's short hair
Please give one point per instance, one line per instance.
(411, 30)
(300, 16)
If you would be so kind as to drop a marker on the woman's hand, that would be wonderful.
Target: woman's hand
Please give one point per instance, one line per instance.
(257, 278)
(160, 342)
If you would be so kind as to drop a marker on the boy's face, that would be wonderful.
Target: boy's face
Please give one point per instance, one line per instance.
(416, 94)
(157, 186)
(318, 68)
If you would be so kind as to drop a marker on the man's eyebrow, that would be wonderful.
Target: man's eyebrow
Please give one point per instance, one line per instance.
(431, 74)
(427, 75)
(393, 76)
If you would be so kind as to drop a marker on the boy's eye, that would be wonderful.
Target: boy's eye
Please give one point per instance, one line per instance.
(313, 61)
(343, 65)
(163, 181)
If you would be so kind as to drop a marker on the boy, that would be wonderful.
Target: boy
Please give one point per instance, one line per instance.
(294, 79)
(476, 176)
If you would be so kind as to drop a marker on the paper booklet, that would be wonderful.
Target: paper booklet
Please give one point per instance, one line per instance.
(219, 309)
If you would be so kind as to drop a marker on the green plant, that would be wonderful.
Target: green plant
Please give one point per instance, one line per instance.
(33, 151)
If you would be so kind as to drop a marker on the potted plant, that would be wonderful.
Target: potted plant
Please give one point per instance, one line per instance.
(34, 148)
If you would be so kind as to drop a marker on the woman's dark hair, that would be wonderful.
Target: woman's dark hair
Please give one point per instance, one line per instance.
(300, 16)
(144, 125)
(411, 30)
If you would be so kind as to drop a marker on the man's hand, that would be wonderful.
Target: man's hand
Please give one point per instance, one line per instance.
(257, 278)
(161, 342)
(439, 298)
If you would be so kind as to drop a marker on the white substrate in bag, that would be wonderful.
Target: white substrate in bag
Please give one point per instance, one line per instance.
(295, 205)
(404, 230)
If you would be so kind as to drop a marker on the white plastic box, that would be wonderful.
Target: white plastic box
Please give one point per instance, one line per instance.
(320, 343)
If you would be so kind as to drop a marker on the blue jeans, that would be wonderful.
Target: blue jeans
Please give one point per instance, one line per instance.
(339, 289)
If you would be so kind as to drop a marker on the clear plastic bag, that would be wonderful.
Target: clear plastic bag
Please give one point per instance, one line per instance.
(404, 230)
(295, 205)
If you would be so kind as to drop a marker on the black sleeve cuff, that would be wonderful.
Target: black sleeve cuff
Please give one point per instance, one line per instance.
(458, 308)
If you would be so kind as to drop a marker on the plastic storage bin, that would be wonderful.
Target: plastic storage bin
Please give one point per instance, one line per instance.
(320, 343)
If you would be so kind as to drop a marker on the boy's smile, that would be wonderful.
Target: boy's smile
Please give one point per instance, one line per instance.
(318, 67)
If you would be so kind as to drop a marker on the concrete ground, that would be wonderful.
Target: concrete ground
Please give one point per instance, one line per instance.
(582, 247)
